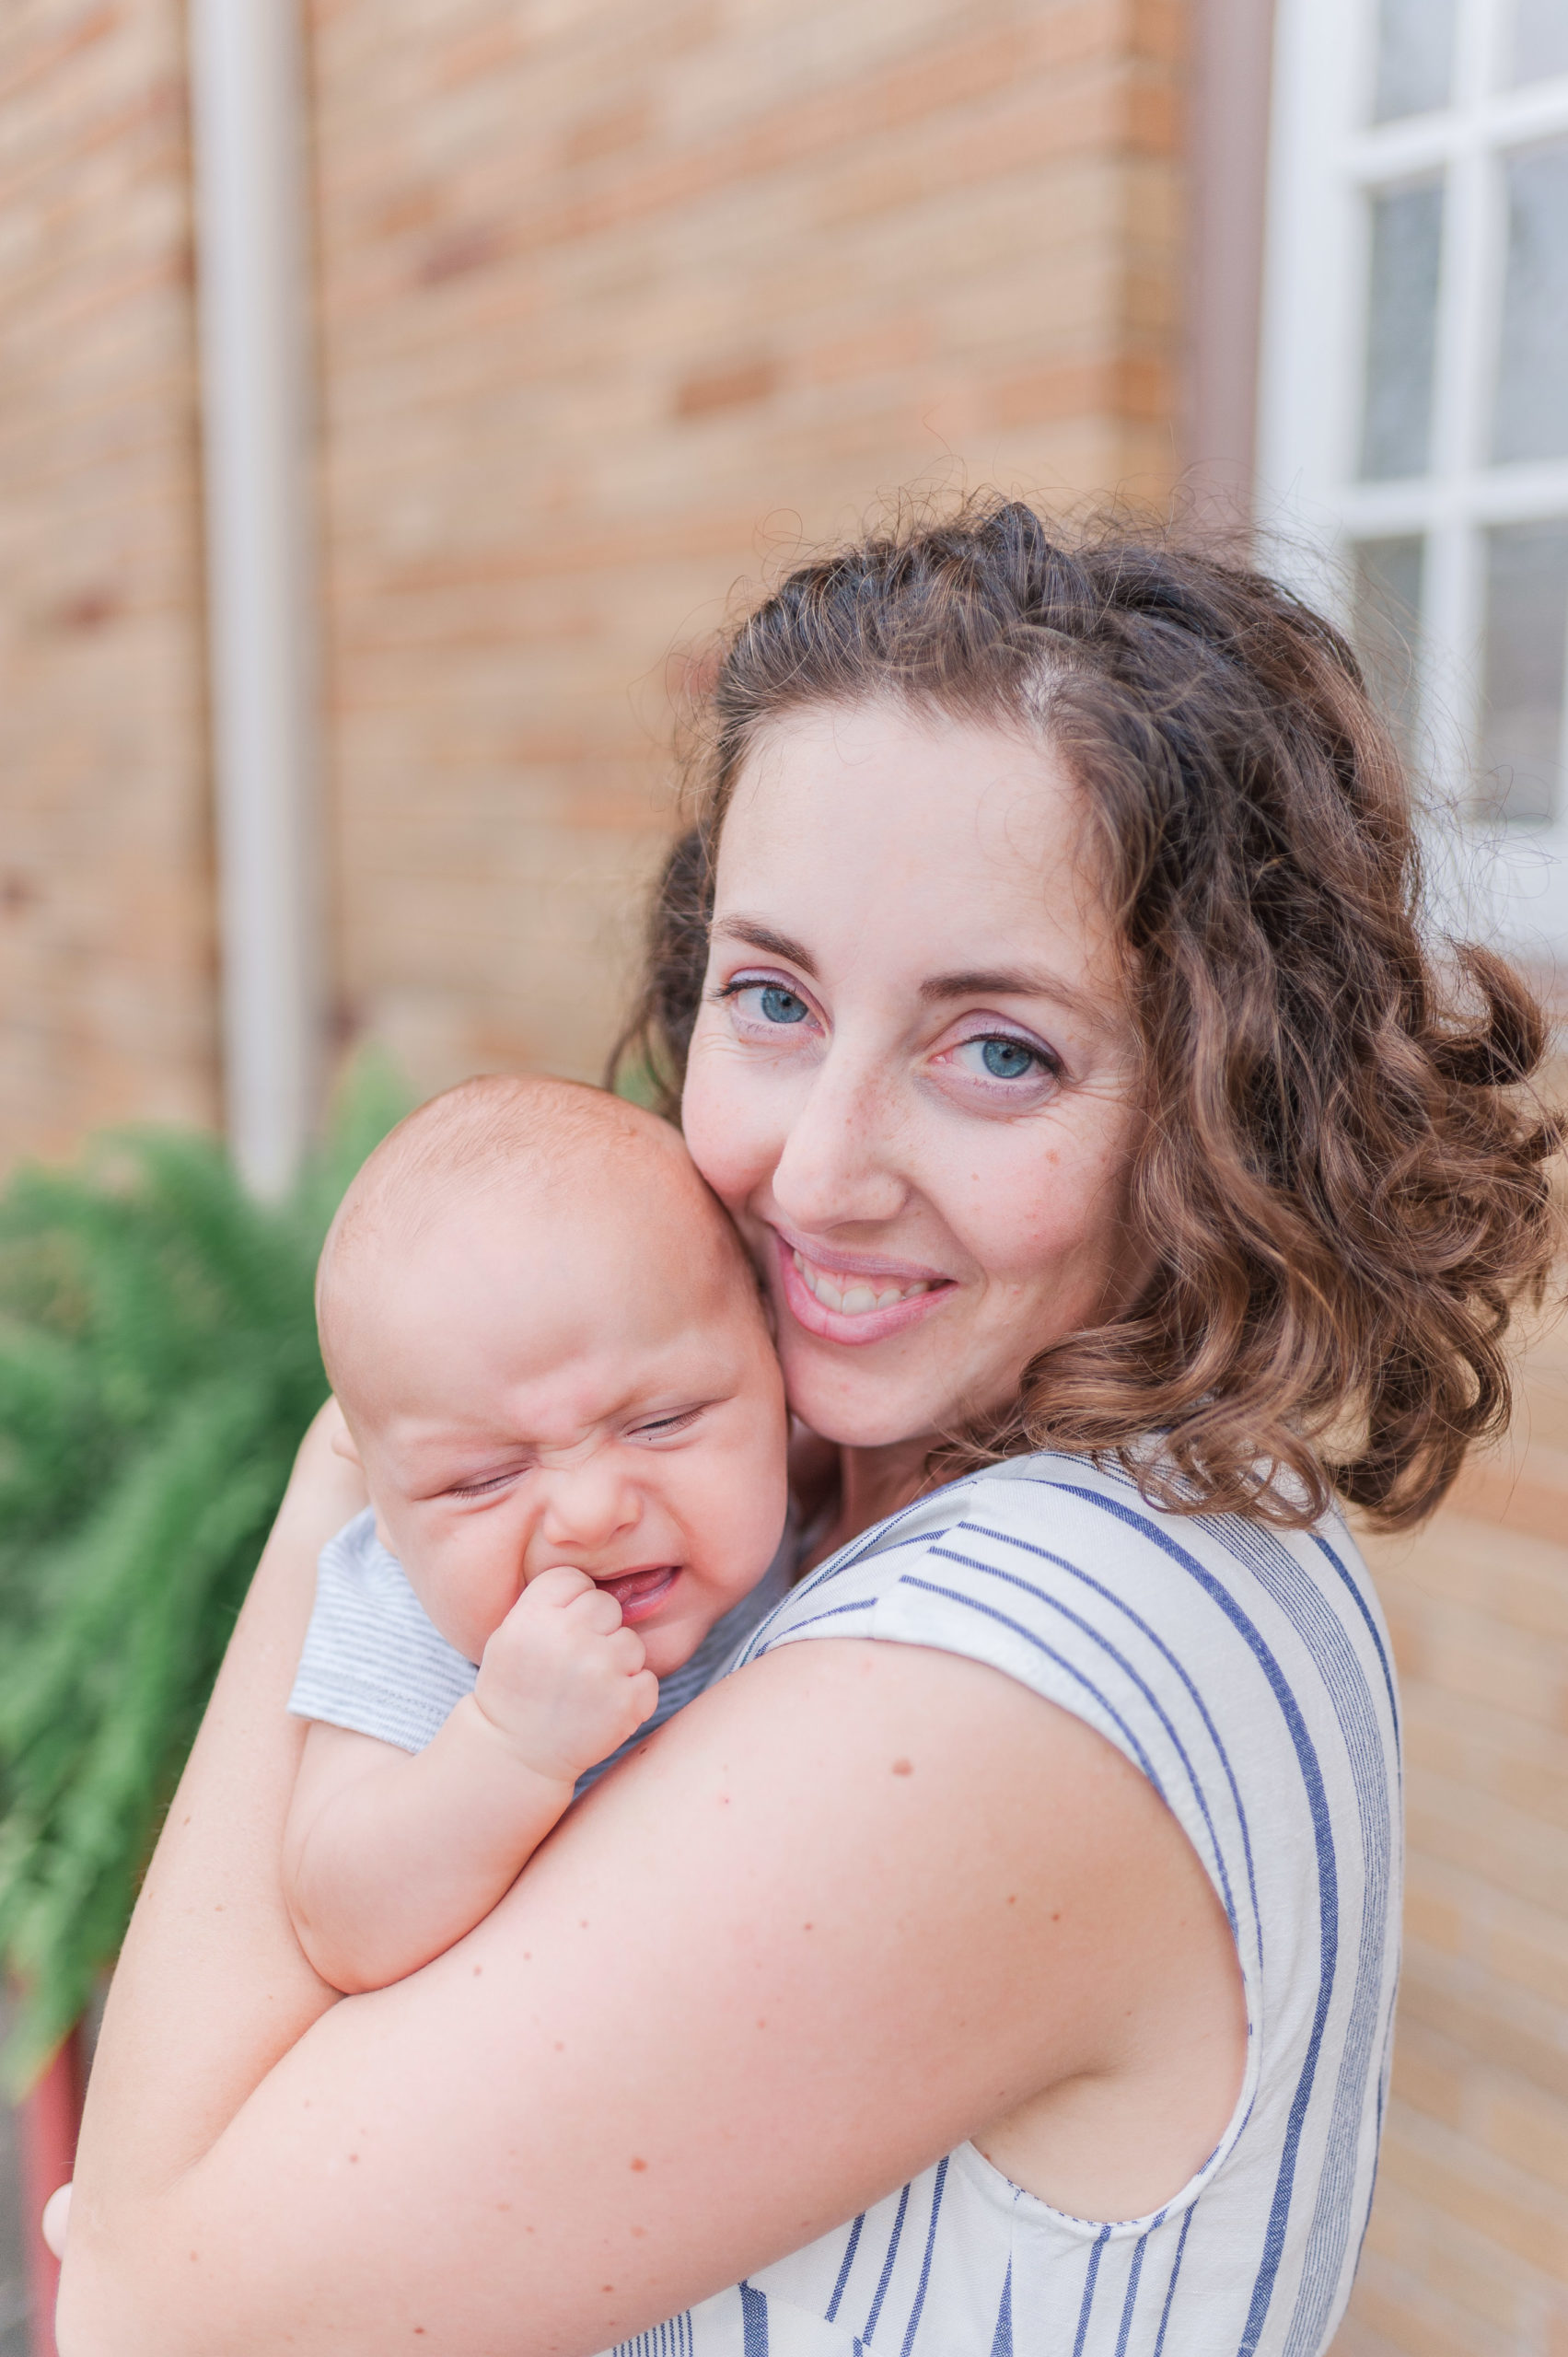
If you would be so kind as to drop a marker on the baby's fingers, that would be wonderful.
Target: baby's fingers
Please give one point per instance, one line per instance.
(561, 1585)
(625, 1652)
(597, 1609)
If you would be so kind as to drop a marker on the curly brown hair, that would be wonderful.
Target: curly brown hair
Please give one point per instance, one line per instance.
(1342, 1183)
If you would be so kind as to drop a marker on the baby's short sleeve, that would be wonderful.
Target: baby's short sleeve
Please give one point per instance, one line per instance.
(373, 1660)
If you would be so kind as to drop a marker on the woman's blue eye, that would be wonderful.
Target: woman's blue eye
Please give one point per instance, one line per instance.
(1008, 1058)
(779, 1005)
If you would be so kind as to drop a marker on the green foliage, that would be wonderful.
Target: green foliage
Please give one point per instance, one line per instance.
(157, 1367)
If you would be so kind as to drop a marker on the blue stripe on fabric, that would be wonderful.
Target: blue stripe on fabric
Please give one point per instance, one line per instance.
(1351, 1700)
(850, 2249)
(888, 2265)
(1130, 2303)
(990, 1612)
(1376, 1635)
(1096, 1636)
(1147, 1628)
(753, 2321)
(1002, 2339)
(926, 2262)
(1327, 1888)
(1378, 2147)
(1170, 2287)
(1090, 2279)
(879, 1540)
(864, 1604)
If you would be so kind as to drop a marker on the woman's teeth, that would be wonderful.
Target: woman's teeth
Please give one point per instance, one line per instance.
(857, 1297)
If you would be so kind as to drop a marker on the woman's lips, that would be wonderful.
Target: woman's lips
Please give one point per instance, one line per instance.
(641, 1593)
(853, 1305)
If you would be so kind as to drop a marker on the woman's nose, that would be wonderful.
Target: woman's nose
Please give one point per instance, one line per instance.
(842, 1160)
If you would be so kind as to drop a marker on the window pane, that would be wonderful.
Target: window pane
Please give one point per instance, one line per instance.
(1402, 329)
(1540, 38)
(1526, 639)
(1415, 56)
(1532, 384)
(1388, 627)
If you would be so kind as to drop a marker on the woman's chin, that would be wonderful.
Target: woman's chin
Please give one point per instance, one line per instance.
(861, 1412)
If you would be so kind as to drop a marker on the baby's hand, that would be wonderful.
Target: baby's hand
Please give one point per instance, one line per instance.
(561, 1679)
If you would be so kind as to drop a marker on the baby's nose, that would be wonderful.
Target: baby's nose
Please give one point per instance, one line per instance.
(587, 1506)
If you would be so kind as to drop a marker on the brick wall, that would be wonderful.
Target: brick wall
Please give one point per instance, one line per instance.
(620, 304)
(1467, 2255)
(617, 305)
(106, 948)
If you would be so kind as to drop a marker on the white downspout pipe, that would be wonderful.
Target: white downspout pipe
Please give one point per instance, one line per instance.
(251, 179)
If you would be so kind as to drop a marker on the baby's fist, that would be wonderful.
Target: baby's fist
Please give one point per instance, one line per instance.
(561, 1679)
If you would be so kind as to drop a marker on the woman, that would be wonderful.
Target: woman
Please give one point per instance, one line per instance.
(1004, 1955)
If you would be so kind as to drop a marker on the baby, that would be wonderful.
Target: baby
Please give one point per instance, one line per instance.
(551, 1356)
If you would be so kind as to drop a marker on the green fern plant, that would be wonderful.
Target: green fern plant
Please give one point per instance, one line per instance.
(157, 1367)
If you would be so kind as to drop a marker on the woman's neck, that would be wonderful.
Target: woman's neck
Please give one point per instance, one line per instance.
(869, 1484)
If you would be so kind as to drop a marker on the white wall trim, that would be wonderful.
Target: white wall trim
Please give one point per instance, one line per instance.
(248, 107)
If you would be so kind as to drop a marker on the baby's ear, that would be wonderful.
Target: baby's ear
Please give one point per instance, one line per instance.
(343, 1443)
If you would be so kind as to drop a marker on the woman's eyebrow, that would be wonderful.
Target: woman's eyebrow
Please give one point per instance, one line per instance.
(1004, 981)
(763, 938)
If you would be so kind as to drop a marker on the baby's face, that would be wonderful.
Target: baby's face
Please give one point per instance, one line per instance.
(534, 1388)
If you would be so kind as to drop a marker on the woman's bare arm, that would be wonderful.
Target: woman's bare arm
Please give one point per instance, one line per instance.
(211, 1945)
(783, 1959)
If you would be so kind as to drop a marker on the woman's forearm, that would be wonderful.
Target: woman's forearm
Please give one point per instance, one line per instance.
(212, 1987)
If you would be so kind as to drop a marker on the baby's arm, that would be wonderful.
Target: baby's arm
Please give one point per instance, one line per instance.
(390, 1856)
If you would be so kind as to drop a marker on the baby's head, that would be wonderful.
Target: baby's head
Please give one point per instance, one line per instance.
(549, 1348)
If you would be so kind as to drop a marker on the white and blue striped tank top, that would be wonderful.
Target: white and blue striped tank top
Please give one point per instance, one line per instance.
(1247, 1673)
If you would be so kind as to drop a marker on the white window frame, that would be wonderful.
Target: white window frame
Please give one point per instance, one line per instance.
(1325, 152)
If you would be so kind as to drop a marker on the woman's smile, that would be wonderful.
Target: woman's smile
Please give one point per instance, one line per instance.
(851, 1296)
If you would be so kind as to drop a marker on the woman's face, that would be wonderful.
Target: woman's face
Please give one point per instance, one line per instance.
(913, 1079)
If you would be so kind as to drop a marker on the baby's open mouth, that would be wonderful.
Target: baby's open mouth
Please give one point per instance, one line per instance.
(641, 1592)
